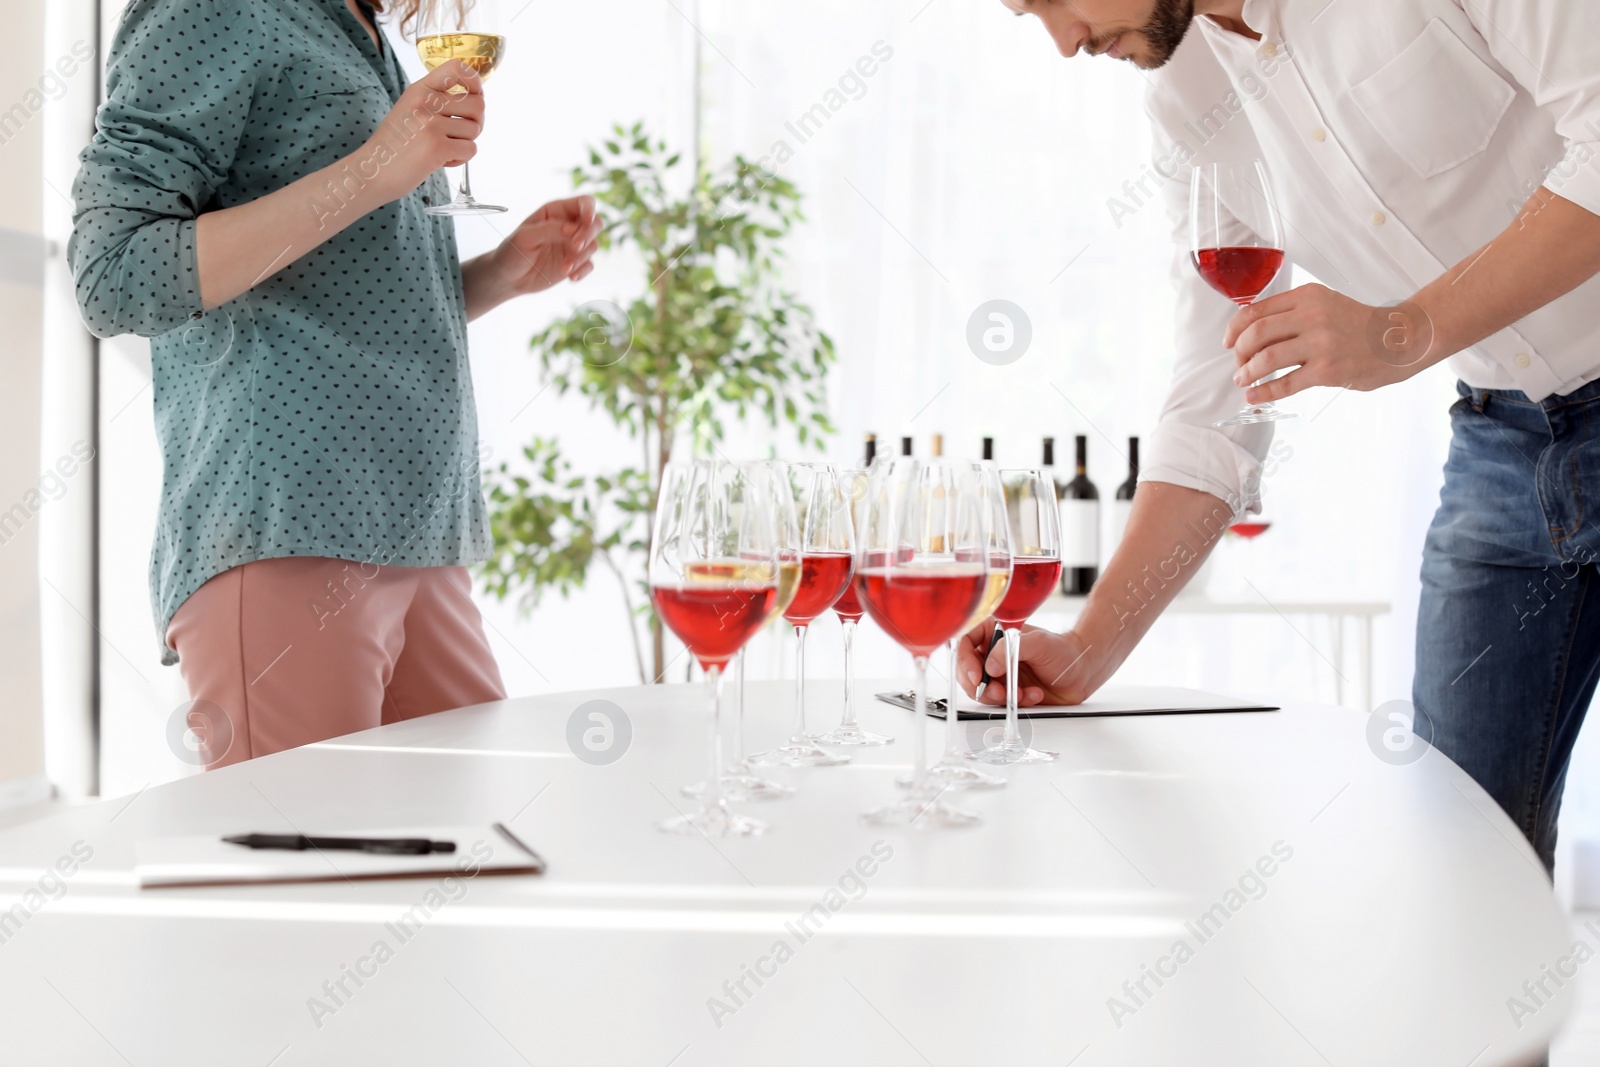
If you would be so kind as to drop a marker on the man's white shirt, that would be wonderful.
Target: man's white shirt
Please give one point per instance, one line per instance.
(1401, 136)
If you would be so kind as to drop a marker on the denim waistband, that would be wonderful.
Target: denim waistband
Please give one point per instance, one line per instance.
(1479, 398)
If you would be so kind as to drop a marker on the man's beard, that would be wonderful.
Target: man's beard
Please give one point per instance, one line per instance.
(1164, 32)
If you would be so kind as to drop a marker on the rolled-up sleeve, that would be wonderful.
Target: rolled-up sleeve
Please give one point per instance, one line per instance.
(164, 140)
(1187, 448)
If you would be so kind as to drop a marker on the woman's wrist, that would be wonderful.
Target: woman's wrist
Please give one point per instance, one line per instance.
(483, 280)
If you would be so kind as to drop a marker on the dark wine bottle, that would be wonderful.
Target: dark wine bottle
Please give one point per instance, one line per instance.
(870, 452)
(1080, 527)
(988, 449)
(905, 446)
(1122, 507)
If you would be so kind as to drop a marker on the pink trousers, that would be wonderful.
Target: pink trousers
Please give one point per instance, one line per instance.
(283, 652)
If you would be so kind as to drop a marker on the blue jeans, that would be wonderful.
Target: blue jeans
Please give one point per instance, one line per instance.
(1508, 631)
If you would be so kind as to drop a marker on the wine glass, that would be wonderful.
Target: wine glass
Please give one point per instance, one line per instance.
(439, 40)
(951, 768)
(1236, 243)
(738, 780)
(827, 560)
(849, 609)
(921, 573)
(714, 582)
(1035, 570)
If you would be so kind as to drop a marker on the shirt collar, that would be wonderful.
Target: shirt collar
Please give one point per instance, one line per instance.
(1259, 15)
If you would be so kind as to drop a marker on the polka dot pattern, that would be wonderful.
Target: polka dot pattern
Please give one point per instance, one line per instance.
(328, 411)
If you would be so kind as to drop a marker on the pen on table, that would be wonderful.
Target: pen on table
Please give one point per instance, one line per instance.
(389, 846)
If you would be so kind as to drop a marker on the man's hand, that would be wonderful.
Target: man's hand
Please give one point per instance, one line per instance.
(429, 127)
(1332, 339)
(1055, 668)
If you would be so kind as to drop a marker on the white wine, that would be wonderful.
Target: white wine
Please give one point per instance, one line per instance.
(994, 590)
(480, 51)
(788, 584)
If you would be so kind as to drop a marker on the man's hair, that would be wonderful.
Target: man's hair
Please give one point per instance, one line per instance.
(408, 12)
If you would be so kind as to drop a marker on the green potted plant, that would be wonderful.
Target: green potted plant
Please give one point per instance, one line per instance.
(714, 335)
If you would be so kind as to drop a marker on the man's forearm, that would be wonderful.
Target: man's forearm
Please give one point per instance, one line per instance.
(1171, 531)
(1550, 248)
(238, 248)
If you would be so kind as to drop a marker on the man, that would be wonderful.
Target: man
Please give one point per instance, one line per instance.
(1439, 162)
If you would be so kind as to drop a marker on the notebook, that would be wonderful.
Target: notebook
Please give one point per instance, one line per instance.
(206, 859)
(1112, 700)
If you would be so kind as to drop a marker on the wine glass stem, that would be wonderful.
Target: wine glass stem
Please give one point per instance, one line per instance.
(466, 182)
(799, 684)
(919, 735)
(738, 741)
(1013, 665)
(952, 734)
(849, 672)
(714, 779)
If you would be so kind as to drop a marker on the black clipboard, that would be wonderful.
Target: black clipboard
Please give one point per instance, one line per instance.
(936, 709)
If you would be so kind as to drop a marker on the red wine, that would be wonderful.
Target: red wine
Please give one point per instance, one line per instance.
(1248, 530)
(921, 608)
(823, 576)
(848, 606)
(1240, 274)
(1033, 579)
(1080, 527)
(714, 619)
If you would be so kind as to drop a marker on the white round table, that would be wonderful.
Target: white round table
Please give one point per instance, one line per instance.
(1240, 889)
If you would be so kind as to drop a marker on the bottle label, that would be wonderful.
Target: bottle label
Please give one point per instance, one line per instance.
(1120, 510)
(1080, 533)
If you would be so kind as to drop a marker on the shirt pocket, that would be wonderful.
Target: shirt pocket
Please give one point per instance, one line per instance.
(1436, 104)
(312, 79)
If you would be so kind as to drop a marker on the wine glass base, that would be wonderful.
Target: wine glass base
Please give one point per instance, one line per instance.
(799, 754)
(951, 774)
(743, 787)
(852, 735)
(1002, 756)
(922, 813)
(465, 207)
(713, 822)
(1255, 414)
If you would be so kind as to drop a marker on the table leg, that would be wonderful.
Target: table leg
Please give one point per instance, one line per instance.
(1336, 629)
(1366, 662)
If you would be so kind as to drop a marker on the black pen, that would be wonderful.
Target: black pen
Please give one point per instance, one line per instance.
(983, 682)
(388, 846)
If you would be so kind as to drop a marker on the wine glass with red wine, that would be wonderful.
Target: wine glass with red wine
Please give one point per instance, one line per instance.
(714, 581)
(921, 569)
(848, 608)
(827, 559)
(1035, 570)
(1236, 243)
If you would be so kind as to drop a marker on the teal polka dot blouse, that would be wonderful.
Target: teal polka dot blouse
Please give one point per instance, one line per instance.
(328, 411)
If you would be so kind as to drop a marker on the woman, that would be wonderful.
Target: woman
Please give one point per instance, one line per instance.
(254, 201)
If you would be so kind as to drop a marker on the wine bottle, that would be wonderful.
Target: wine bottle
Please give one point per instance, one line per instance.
(1122, 507)
(938, 445)
(988, 449)
(870, 453)
(905, 446)
(1080, 528)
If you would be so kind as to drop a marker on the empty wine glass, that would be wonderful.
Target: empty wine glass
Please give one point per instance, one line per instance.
(1236, 243)
(714, 582)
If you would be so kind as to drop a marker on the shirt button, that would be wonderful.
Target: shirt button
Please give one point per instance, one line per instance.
(1379, 218)
(1269, 49)
(427, 200)
(1319, 134)
(1522, 359)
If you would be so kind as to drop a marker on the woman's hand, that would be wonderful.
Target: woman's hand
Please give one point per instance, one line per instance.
(554, 243)
(1332, 339)
(1055, 668)
(429, 127)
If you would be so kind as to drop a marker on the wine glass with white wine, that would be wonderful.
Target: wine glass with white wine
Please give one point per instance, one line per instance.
(439, 40)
